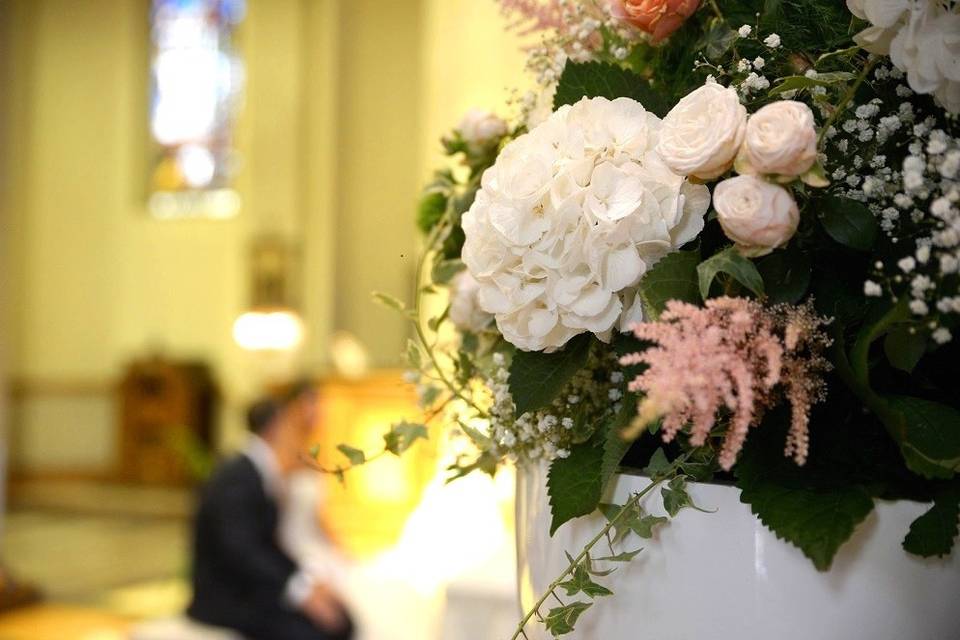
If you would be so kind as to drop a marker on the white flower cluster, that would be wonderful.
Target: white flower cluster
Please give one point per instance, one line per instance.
(570, 217)
(921, 38)
(591, 397)
(917, 205)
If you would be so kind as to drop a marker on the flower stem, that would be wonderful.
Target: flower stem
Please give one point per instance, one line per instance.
(716, 9)
(428, 251)
(848, 96)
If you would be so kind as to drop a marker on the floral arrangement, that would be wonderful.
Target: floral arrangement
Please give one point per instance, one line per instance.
(721, 241)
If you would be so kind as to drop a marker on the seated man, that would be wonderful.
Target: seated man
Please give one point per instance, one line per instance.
(242, 579)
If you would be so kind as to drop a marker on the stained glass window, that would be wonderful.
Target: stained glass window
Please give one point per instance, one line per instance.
(197, 80)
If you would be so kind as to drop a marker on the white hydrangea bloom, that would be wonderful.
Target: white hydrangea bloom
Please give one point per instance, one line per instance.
(570, 217)
(921, 38)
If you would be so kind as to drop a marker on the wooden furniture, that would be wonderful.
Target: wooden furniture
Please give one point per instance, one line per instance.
(167, 414)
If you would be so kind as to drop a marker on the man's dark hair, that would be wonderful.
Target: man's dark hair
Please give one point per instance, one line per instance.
(261, 413)
(296, 390)
(265, 410)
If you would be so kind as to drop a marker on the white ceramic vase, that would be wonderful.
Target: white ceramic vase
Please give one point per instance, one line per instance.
(724, 576)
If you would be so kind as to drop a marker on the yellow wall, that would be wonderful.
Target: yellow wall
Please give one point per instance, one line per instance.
(344, 103)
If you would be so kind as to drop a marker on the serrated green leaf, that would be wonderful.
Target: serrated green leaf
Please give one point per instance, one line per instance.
(674, 277)
(574, 483)
(729, 261)
(849, 222)
(402, 435)
(934, 532)
(931, 440)
(536, 378)
(389, 301)
(817, 520)
(904, 348)
(786, 275)
(355, 456)
(561, 620)
(602, 80)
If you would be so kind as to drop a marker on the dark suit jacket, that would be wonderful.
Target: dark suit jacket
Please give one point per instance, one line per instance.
(239, 570)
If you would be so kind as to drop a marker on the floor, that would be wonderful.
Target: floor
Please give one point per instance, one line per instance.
(102, 555)
(107, 556)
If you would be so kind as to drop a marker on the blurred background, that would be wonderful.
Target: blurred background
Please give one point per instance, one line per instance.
(197, 198)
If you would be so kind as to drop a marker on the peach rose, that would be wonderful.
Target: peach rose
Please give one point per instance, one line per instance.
(659, 18)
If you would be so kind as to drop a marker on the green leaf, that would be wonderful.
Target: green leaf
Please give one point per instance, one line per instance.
(674, 277)
(904, 348)
(931, 440)
(574, 483)
(402, 435)
(786, 275)
(729, 261)
(603, 80)
(614, 445)
(718, 39)
(817, 520)
(429, 396)
(626, 556)
(432, 206)
(389, 301)
(847, 52)
(444, 270)
(657, 465)
(675, 496)
(634, 520)
(933, 533)
(561, 620)
(355, 456)
(413, 354)
(849, 222)
(580, 581)
(536, 378)
(791, 83)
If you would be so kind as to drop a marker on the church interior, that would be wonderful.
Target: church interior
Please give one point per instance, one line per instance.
(198, 199)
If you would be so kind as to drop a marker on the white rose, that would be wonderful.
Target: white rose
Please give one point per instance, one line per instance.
(480, 128)
(781, 138)
(465, 310)
(701, 135)
(757, 215)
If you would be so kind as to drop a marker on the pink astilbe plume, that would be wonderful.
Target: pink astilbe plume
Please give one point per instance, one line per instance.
(732, 357)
